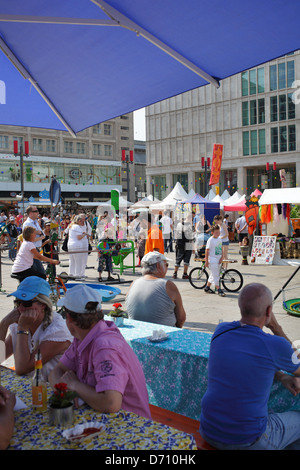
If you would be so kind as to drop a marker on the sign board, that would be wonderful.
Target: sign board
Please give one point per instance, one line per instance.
(263, 249)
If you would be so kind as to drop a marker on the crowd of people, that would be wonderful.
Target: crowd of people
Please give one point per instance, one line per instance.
(88, 353)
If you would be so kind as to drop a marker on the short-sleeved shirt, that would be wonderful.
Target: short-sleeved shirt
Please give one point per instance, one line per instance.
(34, 223)
(105, 361)
(241, 367)
(24, 258)
(214, 245)
(155, 241)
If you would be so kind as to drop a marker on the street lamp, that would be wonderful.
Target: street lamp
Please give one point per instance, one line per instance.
(21, 154)
(127, 160)
(270, 171)
(206, 165)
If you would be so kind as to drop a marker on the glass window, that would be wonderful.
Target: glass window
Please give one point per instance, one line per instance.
(253, 112)
(37, 145)
(97, 149)
(57, 170)
(262, 141)
(9, 171)
(261, 111)
(283, 139)
(37, 172)
(50, 145)
(68, 146)
(97, 129)
(274, 139)
(183, 180)
(281, 76)
(3, 142)
(113, 175)
(282, 107)
(107, 129)
(291, 107)
(80, 148)
(252, 79)
(292, 138)
(160, 186)
(19, 140)
(72, 174)
(245, 83)
(273, 109)
(108, 150)
(245, 113)
(273, 77)
(261, 80)
(290, 73)
(246, 143)
(253, 142)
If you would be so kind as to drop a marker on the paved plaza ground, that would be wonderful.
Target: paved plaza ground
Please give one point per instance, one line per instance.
(204, 311)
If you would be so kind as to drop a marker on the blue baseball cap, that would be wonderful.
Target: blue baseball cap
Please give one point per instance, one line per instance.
(30, 287)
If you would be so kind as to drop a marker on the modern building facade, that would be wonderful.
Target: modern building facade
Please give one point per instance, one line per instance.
(254, 115)
(87, 167)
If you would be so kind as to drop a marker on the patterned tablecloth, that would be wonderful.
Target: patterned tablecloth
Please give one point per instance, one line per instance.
(176, 369)
(123, 430)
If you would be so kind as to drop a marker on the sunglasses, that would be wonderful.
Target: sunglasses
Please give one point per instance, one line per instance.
(25, 303)
(33, 211)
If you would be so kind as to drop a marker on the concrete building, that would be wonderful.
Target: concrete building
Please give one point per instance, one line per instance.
(87, 167)
(253, 114)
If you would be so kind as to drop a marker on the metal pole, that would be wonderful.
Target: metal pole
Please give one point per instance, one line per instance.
(22, 177)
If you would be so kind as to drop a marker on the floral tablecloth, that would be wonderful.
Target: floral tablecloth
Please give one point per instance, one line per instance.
(176, 369)
(123, 430)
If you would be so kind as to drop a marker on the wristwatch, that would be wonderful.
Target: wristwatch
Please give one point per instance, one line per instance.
(23, 332)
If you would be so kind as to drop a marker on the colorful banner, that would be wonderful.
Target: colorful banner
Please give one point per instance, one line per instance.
(216, 164)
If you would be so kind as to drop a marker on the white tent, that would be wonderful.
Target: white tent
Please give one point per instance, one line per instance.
(178, 194)
(236, 197)
(211, 194)
(280, 196)
(191, 193)
(220, 200)
(225, 195)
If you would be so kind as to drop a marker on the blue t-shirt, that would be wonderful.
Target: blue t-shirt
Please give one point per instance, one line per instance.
(241, 368)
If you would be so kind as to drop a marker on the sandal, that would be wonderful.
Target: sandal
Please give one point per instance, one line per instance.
(174, 276)
(208, 290)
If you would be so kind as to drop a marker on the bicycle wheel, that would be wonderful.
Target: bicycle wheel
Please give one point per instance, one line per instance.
(198, 277)
(232, 280)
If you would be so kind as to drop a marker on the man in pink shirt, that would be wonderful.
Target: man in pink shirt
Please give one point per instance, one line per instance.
(99, 365)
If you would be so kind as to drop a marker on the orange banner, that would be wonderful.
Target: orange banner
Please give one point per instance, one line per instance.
(216, 164)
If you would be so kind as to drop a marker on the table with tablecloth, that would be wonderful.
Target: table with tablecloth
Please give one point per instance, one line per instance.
(176, 369)
(123, 430)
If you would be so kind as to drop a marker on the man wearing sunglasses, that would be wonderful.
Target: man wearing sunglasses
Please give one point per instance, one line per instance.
(32, 221)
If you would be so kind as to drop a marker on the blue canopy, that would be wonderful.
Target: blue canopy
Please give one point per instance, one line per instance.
(208, 208)
(93, 60)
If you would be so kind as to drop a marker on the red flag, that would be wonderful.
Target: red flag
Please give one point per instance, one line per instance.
(216, 164)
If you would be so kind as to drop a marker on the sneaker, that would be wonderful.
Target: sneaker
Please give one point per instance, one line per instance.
(185, 276)
(208, 290)
(100, 279)
(111, 278)
(221, 293)
(174, 276)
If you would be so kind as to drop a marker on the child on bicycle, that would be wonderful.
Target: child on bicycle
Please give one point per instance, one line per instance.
(213, 260)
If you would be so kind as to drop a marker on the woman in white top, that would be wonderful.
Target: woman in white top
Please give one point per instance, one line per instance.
(33, 326)
(78, 241)
(23, 264)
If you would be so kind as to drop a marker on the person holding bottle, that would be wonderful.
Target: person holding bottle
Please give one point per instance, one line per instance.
(33, 325)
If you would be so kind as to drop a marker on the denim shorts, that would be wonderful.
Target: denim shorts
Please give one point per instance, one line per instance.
(225, 243)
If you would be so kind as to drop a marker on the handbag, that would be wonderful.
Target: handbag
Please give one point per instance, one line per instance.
(65, 243)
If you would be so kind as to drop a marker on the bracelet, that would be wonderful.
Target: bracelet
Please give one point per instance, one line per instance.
(23, 332)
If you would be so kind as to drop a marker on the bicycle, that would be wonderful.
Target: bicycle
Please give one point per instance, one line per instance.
(231, 279)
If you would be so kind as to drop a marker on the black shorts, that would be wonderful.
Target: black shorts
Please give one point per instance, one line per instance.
(182, 254)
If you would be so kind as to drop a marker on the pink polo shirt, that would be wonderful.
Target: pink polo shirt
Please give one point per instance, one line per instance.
(105, 361)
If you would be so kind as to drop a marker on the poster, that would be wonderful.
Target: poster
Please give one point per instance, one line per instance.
(263, 249)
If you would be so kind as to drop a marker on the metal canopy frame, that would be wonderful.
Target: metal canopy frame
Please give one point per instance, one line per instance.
(116, 19)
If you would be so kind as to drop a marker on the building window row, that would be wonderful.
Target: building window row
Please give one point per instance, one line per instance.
(253, 112)
(283, 139)
(282, 107)
(253, 81)
(107, 129)
(282, 75)
(65, 173)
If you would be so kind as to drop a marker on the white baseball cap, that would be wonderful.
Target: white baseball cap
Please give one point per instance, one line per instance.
(153, 257)
(76, 298)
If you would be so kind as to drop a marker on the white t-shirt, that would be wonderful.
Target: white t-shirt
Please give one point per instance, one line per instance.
(74, 231)
(214, 245)
(166, 223)
(24, 258)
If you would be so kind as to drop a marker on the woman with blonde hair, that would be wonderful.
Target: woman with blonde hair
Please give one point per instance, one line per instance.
(33, 326)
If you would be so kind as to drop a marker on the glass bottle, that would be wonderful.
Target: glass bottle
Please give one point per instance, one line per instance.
(39, 387)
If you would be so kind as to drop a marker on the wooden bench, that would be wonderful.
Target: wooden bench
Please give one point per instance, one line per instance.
(180, 422)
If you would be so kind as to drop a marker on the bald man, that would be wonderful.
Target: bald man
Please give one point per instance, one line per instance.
(243, 362)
